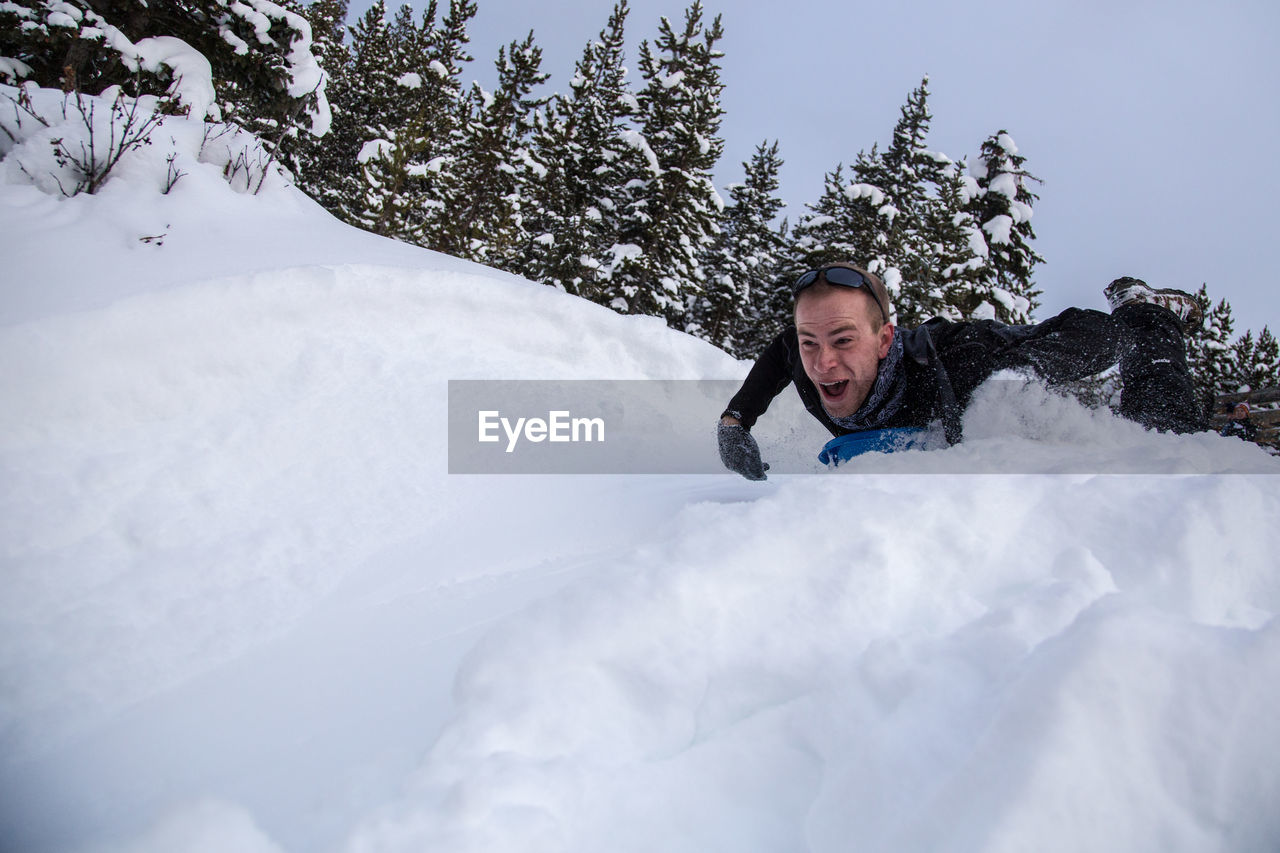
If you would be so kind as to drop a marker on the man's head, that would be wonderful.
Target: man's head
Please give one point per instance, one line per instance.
(843, 274)
(842, 322)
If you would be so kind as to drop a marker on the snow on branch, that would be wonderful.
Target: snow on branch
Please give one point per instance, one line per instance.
(637, 141)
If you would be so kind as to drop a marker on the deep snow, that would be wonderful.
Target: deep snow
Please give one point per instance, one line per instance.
(247, 608)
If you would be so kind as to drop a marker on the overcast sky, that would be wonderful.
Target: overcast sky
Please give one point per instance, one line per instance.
(1154, 125)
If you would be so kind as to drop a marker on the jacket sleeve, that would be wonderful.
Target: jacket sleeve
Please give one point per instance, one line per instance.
(1074, 344)
(771, 373)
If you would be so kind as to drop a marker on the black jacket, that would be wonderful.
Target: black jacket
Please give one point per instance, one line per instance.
(1245, 429)
(945, 361)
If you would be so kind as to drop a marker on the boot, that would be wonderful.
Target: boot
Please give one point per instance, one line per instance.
(1133, 291)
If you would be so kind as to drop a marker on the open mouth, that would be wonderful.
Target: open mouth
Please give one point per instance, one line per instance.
(833, 391)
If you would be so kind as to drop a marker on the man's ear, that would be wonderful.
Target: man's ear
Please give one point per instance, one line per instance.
(885, 336)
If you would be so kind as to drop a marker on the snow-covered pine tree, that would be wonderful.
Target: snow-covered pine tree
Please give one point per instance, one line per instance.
(771, 307)
(906, 171)
(881, 217)
(497, 175)
(671, 214)
(851, 221)
(1000, 201)
(1256, 362)
(410, 111)
(320, 162)
(328, 20)
(744, 263)
(275, 96)
(368, 116)
(1209, 349)
(1220, 366)
(580, 141)
(1266, 371)
(1242, 355)
(246, 62)
(958, 254)
(410, 47)
(441, 109)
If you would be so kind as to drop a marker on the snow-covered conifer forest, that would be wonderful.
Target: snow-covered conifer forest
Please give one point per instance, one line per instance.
(602, 187)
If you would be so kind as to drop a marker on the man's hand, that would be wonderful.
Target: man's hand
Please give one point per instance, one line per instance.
(739, 451)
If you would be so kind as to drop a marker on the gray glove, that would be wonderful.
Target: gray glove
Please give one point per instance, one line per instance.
(739, 451)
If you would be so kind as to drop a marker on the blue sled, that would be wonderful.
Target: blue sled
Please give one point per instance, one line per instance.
(842, 448)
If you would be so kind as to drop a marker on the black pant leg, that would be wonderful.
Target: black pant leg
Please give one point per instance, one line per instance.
(1077, 343)
(1157, 388)
(1072, 345)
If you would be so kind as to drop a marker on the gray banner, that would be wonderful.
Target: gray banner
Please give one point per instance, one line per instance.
(586, 426)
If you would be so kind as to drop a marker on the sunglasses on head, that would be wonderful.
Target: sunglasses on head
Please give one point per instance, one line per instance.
(840, 277)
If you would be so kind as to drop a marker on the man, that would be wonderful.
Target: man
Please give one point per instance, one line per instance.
(1239, 423)
(855, 371)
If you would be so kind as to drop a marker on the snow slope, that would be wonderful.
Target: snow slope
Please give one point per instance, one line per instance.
(247, 608)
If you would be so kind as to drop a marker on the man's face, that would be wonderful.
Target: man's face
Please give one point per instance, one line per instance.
(838, 347)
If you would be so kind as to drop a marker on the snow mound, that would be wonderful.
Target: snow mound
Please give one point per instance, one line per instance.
(261, 433)
(203, 827)
(888, 663)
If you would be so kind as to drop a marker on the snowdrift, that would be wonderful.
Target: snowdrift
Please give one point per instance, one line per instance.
(247, 608)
